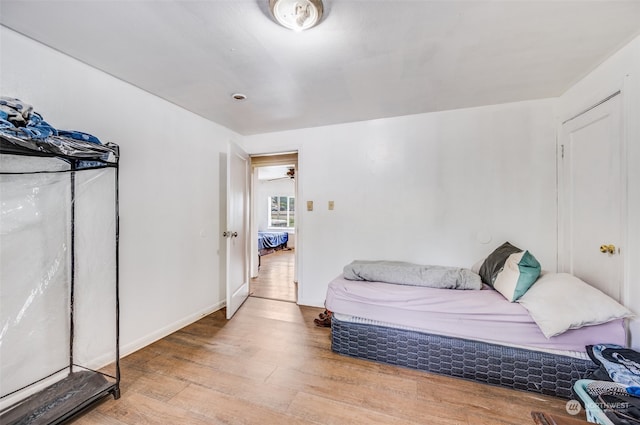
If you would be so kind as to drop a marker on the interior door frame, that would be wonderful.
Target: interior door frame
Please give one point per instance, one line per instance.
(562, 219)
(297, 214)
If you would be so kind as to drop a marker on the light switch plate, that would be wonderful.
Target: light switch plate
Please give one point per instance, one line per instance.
(309, 205)
(331, 205)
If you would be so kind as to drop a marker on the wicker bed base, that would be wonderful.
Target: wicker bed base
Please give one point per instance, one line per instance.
(482, 362)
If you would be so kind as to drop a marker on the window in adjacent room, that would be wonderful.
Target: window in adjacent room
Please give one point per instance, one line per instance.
(282, 211)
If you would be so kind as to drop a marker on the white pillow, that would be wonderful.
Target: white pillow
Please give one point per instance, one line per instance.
(558, 302)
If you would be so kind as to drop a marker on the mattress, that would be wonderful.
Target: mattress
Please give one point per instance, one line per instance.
(481, 315)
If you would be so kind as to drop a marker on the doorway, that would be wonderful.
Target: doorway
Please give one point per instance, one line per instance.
(274, 227)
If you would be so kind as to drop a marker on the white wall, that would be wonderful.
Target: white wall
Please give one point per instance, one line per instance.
(619, 72)
(425, 188)
(169, 183)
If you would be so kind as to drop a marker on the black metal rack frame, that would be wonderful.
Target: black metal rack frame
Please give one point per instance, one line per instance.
(81, 387)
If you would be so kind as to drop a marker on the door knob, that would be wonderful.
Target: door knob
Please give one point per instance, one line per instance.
(226, 234)
(608, 249)
(235, 235)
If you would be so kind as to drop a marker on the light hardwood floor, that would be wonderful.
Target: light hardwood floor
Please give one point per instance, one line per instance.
(276, 277)
(271, 365)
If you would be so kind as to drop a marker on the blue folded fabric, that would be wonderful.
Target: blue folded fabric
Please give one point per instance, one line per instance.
(78, 135)
(14, 110)
(18, 119)
(622, 364)
(634, 391)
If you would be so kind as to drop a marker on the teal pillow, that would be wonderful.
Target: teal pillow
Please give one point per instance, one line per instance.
(520, 271)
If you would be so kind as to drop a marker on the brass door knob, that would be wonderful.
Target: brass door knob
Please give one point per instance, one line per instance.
(608, 249)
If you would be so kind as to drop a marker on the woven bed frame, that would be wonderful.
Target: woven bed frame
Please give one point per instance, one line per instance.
(509, 367)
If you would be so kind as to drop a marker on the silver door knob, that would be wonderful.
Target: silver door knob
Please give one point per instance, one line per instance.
(234, 235)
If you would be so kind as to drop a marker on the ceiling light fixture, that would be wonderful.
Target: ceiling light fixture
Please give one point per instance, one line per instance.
(239, 96)
(297, 15)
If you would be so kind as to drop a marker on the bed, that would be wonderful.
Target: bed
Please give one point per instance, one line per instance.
(472, 334)
(269, 242)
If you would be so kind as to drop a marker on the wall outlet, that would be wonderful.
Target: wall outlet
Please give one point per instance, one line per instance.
(331, 205)
(309, 205)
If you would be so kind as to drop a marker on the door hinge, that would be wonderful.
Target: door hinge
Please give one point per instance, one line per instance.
(562, 151)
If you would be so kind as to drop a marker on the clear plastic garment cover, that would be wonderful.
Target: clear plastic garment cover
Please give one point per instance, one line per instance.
(59, 330)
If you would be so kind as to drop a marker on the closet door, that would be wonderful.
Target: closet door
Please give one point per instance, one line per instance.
(592, 195)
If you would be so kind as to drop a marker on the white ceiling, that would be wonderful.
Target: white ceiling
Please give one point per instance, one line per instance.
(367, 59)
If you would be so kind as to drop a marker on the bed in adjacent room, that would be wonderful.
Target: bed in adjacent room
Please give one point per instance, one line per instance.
(269, 241)
(536, 344)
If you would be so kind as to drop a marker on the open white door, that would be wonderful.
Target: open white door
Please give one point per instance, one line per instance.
(237, 231)
(592, 197)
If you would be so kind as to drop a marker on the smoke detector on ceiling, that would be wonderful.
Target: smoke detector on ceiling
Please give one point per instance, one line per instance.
(297, 15)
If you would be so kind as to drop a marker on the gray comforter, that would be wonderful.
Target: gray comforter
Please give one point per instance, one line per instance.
(413, 274)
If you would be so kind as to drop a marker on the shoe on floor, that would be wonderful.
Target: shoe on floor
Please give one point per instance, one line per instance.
(325, 323)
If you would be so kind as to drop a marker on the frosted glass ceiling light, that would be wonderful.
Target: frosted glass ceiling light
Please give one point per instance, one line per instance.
(297, 15)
